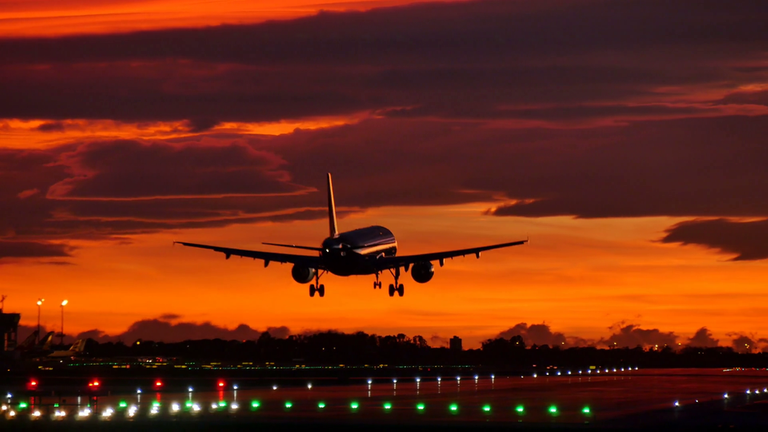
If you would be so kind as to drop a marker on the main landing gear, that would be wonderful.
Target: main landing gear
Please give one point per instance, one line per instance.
(316, 287)
(395, 288)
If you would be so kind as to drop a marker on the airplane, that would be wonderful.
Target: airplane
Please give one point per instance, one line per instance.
(363, 251)
(77, 349)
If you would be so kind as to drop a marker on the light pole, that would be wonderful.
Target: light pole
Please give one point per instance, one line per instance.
(39, 303)
(64, 303)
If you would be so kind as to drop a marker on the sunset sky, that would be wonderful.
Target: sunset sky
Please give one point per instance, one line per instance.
(626, 138)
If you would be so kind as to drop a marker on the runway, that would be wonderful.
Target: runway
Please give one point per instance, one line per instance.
(632, 399)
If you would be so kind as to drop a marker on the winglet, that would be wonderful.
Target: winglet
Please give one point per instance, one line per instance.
(331, 209)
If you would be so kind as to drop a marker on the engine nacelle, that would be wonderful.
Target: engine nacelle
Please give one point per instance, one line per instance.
(302, 274)
(422, 272)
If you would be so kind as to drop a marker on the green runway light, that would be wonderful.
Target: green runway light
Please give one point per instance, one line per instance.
(553, 409)
(288, 404)
(586, 410)
(453, 407)
(487, 408)
(520, 409)
(354, 405)
(255, 404)
(387, 406)
(222, 403)
(22, 405)
(188, 404)
(122, 404)
(321, 405)
(155, 404)
(420, 407)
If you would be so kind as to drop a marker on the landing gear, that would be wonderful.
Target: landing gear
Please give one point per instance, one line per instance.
(317, 287)
(377, 282)
(395, 288)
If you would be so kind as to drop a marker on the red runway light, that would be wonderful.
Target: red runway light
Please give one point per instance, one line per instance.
(158, 384)
(221, 384)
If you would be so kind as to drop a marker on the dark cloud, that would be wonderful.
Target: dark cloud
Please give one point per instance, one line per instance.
(703, 339)
(483, 58)
(28, 249)
(748, 240)
(131, 169)
(684, 167)
(163, 329)
(51, 127)
(200, 124)
(632, 335)
(535, 334)
(742, 343)
(757, 97)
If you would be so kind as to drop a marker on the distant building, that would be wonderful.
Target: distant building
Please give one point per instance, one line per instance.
(9, 328)
(456, 343)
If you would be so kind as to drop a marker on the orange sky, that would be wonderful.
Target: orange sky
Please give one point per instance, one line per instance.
(590, 264)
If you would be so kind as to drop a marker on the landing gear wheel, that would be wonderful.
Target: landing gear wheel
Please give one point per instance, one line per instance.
(400, 290)
(321, 291)
(312, 290)
(391, 290)
(379, 283)
(375, 284)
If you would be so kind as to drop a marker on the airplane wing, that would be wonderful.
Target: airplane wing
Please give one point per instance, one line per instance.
(304, 260)
(385, 263)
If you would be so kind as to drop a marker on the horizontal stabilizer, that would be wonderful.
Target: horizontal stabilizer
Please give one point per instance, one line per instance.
(296, 246)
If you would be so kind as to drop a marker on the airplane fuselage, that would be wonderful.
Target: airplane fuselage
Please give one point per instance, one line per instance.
(349, 253)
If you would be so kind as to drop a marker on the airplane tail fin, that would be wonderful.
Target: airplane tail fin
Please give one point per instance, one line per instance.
(332, 209)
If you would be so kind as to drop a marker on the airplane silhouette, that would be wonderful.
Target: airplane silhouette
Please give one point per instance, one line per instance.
(364, 251)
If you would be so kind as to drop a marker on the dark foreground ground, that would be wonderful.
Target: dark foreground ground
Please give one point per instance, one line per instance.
(672, 399)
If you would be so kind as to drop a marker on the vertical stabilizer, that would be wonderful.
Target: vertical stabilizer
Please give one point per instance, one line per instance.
(331, 209)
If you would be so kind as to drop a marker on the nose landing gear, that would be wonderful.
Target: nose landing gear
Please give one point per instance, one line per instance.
(377, 282)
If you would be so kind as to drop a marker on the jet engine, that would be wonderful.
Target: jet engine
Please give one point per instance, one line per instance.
(302, 274)
(422, 272)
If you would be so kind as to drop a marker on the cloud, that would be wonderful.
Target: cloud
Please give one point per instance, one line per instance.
(703, 339)
(51, 127)
(437, 341)
(742, 343)
(535, 334)
(748, 240)
(132, 169)
(632, 335)
(28, 249)
(437, 57)
(162, 329)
